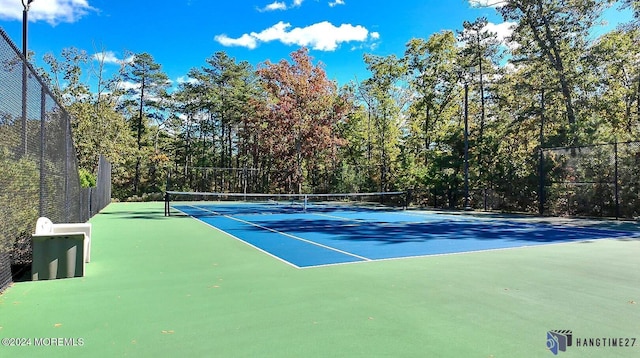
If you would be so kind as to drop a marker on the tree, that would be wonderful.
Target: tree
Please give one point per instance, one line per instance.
(434, 115)
(613, 61)
(481, 55)
(634, 5)
(431, 64)
(482, 51)
(64, 76)
(302, 109)
(216, 105)
(98, 129)
(148, 95)
(557, 32)
(388, 101)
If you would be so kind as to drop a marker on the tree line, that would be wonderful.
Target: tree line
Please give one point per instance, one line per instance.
(285, 127)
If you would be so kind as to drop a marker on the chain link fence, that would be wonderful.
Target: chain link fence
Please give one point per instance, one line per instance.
(597, 180)
(38, 164)
(214, 179)
(600, 180)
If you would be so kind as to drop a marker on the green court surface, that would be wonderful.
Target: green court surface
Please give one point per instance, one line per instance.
(174, 287)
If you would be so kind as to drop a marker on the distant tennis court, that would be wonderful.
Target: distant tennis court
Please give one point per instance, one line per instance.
(305, 234)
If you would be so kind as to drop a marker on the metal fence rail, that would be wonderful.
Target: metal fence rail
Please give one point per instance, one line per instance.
(596, 180)
(38, 164)
(601, 180)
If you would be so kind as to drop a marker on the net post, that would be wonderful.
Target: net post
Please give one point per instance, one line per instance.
(167, 183)
(167, 210)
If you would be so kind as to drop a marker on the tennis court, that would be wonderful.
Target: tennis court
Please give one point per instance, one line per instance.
(162, 286)
(310, 236)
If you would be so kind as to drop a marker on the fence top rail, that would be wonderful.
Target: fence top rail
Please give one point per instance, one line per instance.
(589, 146)
(240, 169)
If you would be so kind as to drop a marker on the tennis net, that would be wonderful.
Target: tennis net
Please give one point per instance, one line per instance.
(233, 203)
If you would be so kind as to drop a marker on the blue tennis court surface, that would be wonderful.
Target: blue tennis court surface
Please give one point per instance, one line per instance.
(344, 235)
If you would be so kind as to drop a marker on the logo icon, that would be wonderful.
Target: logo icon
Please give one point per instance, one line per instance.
(559, 340)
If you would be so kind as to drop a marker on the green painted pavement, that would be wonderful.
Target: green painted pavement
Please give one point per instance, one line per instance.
(170, 287)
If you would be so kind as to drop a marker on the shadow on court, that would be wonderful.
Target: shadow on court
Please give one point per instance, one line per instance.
(318, 238)
(398, 233)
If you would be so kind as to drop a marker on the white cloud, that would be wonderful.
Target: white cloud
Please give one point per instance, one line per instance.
(129, 59)
(336, 2)
(187, 79)
(245, 40)
(503, 30)
(277, 5)
(109, 57)
(322, 36)
(487, 3)
(51, 11)
(281, 5)
(127, 85)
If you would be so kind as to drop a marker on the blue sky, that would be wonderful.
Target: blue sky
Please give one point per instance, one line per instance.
(182, 34)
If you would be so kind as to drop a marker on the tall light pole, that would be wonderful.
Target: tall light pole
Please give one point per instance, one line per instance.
(25, 4)
(541, 174)
(466, 145)
(466, 77)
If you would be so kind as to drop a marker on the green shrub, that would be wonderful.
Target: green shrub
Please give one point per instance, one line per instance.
(87, 179)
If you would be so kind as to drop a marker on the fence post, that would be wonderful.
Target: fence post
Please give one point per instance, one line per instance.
(541, 174)
(24, 104)
(67, 201)
(91, 207)
(484, 197)
(615, 178)
(43, 143)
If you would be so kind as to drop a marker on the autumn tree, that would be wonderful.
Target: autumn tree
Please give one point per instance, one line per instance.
(299, 125)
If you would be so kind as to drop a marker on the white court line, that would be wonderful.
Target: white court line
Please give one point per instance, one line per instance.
(633, 236)
(285, 234)
(340, 217)
(470, 252)
(237, 238)
(365, 221)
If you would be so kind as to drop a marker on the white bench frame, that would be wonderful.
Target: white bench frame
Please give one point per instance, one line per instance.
(46, 228)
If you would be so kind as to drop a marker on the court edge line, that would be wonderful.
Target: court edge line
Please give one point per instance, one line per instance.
(287, 235)
(397, 258)
(469, 252)
(237, 238)
(340, 217)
